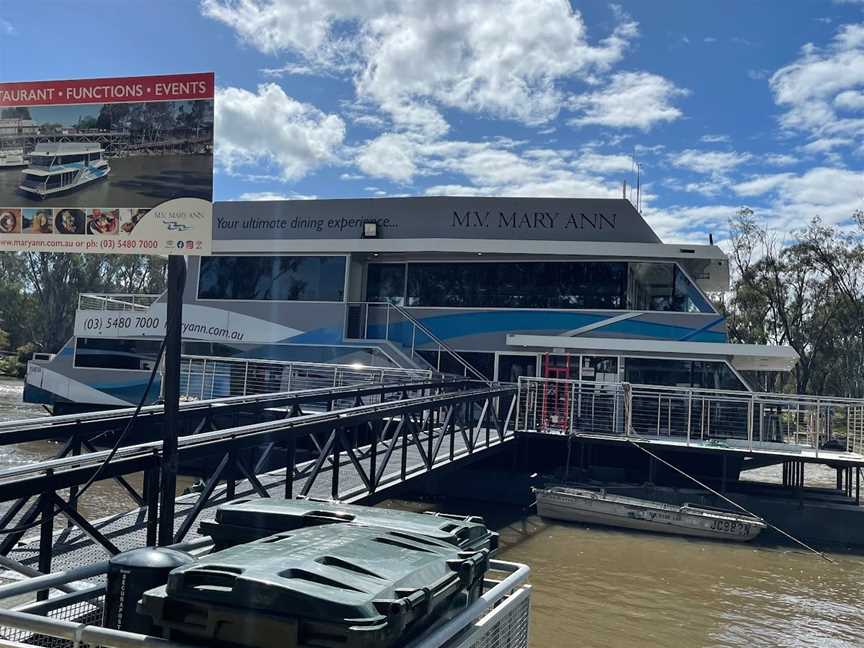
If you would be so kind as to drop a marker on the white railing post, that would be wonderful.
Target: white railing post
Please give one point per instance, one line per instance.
(750, 412)
(628, 407)
(245, 378)
(689, 413)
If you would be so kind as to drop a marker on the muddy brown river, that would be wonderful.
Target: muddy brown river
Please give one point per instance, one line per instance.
(602, 588)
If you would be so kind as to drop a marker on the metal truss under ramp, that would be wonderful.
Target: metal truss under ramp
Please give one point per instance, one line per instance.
(356, 453)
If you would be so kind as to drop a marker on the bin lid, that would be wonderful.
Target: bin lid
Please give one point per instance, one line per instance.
(275, 515)
(330, 572)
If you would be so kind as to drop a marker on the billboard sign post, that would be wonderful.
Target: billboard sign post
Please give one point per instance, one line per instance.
(114, 166)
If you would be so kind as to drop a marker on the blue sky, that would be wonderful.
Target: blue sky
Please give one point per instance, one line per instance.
(723, 104)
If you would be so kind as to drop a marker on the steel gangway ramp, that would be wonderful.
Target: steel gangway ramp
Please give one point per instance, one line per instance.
(353, 444)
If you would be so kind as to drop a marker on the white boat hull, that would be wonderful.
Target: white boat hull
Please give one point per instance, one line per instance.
(85, 176)
(573, 505)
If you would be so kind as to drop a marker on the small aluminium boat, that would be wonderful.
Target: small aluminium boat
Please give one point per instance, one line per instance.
(599, 507)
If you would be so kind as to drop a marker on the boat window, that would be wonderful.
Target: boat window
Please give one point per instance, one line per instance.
(715, 375)
(99, 353)
(664, 287)
(70, 159)
(681, 373)
(385, 282)
(276, 278)
(40, 161)
(518, 284)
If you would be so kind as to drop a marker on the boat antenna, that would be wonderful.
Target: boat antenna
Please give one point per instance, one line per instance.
(735, 504)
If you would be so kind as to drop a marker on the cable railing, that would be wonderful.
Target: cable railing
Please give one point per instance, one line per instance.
(207, 377)
(391, 323)
(742, 418)
(115, 301)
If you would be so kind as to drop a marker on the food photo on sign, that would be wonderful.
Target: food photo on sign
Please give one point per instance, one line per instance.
(37, 221)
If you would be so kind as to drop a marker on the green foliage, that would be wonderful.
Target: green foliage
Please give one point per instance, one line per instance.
(805, 290)
(21, 112)
(39, 291)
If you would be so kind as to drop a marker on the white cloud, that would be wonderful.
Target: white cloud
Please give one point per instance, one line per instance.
(685, 224)
(762, 184)
(852, 100)
(597, 163)
(389, 156)
(714, 138)
(715, 162)
(629, 100)
(821, 82)
(826, 144)
(270, 127)
(830, 193)
(272, 195)
(500, 57)
(7, 28)
(779, 159)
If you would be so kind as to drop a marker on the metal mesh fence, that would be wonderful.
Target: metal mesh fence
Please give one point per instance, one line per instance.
(86, 612)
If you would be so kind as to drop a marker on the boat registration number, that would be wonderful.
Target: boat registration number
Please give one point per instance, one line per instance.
(730, 526)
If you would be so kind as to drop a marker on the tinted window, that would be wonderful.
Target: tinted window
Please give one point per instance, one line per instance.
(278, 278)
(517, 285)
(663, 287)
(385, 282)
(681, 373)
(101, 353)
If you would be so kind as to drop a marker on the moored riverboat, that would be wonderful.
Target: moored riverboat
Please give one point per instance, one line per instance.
(59, 167)
(599, 507)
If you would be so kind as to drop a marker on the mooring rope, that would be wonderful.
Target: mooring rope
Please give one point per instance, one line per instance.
(735, 504)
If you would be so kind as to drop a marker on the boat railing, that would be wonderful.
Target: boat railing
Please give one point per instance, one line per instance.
(116, 301)
(691, 414)
(206, 377)
(392, 323)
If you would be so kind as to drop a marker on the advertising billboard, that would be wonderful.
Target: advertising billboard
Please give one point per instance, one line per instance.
(118, 166)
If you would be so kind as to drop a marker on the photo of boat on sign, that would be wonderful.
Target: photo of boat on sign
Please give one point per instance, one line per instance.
(114, 142)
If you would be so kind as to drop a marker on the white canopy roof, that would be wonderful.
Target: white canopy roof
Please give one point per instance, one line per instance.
(745, 357)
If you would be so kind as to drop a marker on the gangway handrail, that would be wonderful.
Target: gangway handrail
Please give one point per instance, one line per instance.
(47, 427)
(453, 353)
(418, 325)
(29, 478)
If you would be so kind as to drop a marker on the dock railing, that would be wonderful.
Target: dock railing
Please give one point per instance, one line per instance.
(207, 377)
(556, 406)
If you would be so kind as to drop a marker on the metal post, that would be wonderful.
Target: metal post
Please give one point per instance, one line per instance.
(750, 424)
(689, 413)
(73, 490)
(857, 486)
(290, 462)
(46, 533)
(170, 427)
(151, 495)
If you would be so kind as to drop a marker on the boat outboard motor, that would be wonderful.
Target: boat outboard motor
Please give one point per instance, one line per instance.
(132, 573)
